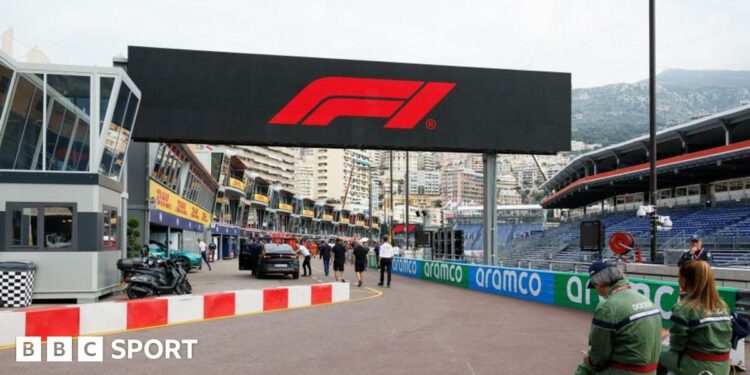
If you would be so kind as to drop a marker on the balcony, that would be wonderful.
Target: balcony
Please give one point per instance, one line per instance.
(236, 186)
(260, 199)
(285, 207)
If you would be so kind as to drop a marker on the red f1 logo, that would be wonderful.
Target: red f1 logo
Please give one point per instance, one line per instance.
(404, 103)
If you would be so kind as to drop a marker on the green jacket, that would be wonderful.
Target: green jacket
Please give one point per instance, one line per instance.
(710, 334)
(626, 328)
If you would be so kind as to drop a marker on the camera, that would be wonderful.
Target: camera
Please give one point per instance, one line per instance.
(644, 211)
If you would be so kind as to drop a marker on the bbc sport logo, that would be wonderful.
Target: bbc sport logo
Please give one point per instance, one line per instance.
(91, 349)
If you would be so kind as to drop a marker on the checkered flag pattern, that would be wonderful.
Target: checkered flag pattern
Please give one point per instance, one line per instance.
(16, 288)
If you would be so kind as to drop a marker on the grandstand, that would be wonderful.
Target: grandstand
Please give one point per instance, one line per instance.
(514, 222)
(703, 168)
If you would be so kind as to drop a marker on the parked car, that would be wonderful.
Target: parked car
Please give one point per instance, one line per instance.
(278, 259)
(183, 258)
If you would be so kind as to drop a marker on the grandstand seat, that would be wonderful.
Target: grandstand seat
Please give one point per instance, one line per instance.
(721, 221)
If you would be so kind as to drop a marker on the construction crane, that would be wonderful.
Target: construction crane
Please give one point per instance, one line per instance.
(539, 166)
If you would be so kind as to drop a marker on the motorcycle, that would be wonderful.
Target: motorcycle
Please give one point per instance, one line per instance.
(153, 276)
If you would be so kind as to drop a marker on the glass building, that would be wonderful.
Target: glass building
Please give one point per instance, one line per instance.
(64, 134)
(171, 194)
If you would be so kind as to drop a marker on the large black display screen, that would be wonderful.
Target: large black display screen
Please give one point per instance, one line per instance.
(232, 98)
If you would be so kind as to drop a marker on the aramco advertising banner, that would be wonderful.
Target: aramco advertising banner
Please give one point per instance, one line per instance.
(555, 288)
(407, 267)
(526, 284)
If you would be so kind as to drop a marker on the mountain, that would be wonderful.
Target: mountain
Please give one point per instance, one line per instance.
(617, 112)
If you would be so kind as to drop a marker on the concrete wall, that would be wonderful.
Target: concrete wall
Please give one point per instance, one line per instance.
(82, 275)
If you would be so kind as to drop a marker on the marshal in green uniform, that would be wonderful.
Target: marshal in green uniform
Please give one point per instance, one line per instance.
(700, 338)
(625, 336)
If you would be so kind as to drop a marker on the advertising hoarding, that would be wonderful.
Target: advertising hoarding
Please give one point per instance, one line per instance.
(233, 98)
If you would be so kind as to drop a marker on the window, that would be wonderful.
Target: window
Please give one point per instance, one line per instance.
(167, 167)
(20, 144)
(24, 224)
(118, 133)
(40, 226)
(74, 90)
(109, 228)
(219, 167)
(158, 162)
(720, 187)
(68, 119)
(5, 77)
(78, 160)
(58, 227)
(105, 92)
(124, 140)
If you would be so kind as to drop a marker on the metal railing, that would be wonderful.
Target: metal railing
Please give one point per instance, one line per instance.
(540, 264)
(553, 265)
(675, 242)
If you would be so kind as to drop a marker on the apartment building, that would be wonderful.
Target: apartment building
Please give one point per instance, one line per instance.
(343, 172)
(459, 184)
(273, 164)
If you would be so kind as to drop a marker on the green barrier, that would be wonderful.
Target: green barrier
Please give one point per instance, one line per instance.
(567, 289)
(570, 291)
(372, 261)
(448, 273)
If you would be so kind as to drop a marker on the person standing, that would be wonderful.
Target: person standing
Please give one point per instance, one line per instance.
(339, 259)
(360, 259)
(305, 252)
(385, 260)
(255, 250)
(202, 247)
(325, 254)
(625, 334)
(214, 251)
(701, 335)
(696, 252)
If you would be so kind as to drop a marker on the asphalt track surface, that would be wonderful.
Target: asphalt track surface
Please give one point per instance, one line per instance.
(415, 327)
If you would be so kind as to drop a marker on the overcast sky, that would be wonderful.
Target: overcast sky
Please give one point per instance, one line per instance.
(598, 41)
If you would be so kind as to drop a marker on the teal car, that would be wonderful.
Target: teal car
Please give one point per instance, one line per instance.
(185, 259)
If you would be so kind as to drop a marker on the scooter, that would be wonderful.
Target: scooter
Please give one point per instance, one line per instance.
(157, 276)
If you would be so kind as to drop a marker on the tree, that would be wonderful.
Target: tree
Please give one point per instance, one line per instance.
(133, 237)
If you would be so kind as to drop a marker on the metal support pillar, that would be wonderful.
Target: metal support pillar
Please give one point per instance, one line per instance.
(490, 209)
(168, 241)
(652, 123)
(369, 206)
(406, 204)
(390, 222)
(123, 219)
